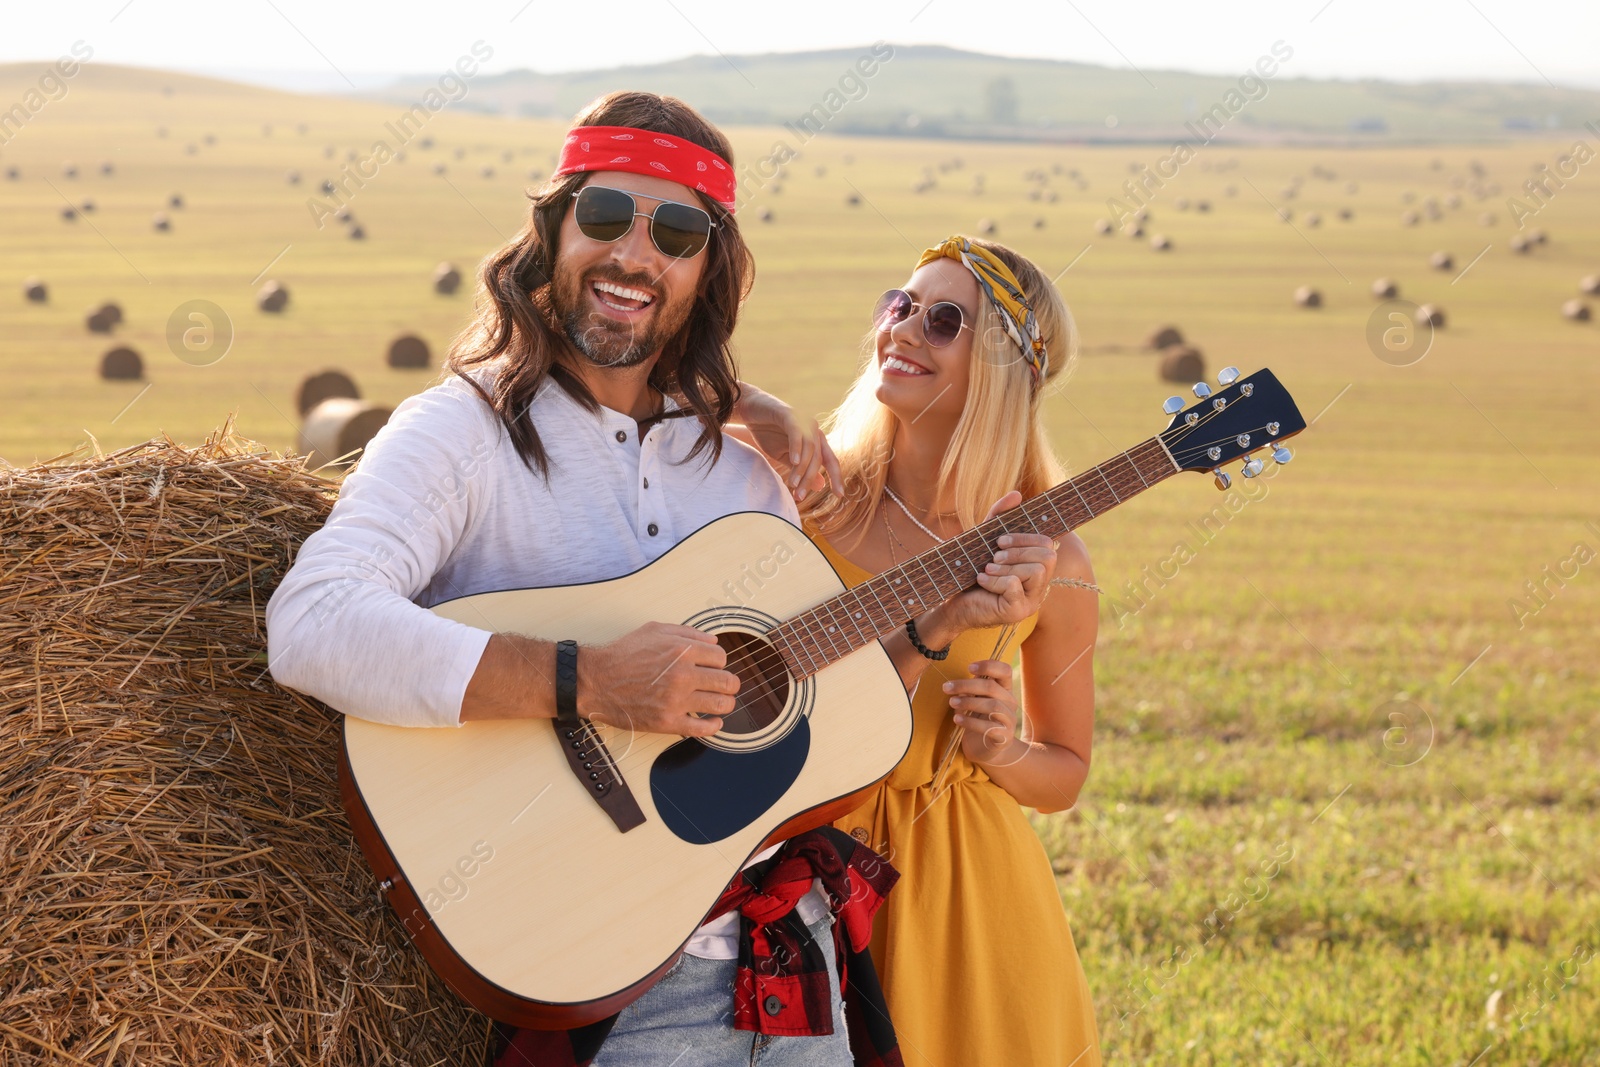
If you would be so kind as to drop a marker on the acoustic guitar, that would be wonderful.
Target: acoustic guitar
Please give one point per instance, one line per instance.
(550, 878)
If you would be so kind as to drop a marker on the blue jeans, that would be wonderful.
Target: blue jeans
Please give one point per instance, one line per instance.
(686, 1020)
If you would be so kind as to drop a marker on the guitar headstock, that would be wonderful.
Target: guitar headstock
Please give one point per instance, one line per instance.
(1243, 417)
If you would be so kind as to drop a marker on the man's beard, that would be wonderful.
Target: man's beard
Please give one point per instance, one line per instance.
(607, 342)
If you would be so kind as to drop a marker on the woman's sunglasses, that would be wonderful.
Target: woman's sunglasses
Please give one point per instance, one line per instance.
(678, 230)
(941, 323)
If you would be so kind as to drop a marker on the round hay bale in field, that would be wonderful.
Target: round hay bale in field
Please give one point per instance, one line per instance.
(1346, 214)
(1538, 237)
(324, 385)
(987, 228)
(337, 427)
(1202, 206)
(1442, 261)
(440, 168)
(293, 177)
(343, 215)
(1164, 337)
(273, 297)
(1590, 285)
(69, 214)
(98, 321)
(1576, 310)
(69, 170)
(121, 364)
(1133, 229)
(1487, 219)
(446, 278)
(409, 352)
(487, 172)
(1313, 218)
(36, 291)
(1409, 218)
(1182, 203)
(1182, 364)
(180, 883)
(765, 215)
(112, 311)
(327, 187)
(107, 167)
(1161, 243)
(1385, 289)
(1308, 297)
(161, 223)
(1429, 315)
(12, 174)
(853, 200)
(175, 201)
(87, 207)
(357, 233)
(1102, 226)
(1519, 244)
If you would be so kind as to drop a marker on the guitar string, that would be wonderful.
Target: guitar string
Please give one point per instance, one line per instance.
(769, 659)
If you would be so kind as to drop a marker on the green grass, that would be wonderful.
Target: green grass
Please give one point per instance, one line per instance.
(1244, 706)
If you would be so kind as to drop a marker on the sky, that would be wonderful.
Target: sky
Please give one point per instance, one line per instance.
(314, 45)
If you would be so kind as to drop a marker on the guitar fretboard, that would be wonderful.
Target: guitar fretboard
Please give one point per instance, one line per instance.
(833, 629)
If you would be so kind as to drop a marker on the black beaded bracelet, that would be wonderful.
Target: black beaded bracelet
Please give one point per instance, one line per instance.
(567, 683)
(916, 643)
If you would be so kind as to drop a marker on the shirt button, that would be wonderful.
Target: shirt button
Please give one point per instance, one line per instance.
(773, 1005)
(622, 436)
(652, 529)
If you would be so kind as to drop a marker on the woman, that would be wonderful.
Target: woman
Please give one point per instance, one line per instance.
(973, 947)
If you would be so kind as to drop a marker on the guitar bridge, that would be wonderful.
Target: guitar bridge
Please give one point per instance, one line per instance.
(592, 765)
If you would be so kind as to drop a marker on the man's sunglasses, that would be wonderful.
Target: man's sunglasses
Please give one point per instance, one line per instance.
(678, 230)
(941, 323)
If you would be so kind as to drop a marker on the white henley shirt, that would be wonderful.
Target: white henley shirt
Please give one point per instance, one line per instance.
(441, 506)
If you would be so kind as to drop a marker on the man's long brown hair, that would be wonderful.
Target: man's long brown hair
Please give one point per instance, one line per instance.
(515, 321)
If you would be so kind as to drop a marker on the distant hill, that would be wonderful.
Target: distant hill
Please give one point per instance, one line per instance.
(934, 91)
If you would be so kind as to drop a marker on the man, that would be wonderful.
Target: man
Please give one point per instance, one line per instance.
(579, 439)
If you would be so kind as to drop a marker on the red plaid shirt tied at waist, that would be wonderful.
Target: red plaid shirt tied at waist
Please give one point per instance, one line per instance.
(782, 985)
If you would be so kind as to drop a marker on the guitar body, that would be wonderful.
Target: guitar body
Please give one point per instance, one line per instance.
(519, 889)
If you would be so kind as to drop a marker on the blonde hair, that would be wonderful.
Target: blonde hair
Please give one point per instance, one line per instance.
(998, 444)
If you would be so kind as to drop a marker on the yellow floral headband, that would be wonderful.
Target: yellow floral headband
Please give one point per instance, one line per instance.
(1004, 292)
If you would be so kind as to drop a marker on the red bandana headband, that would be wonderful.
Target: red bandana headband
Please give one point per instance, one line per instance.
(649, 153)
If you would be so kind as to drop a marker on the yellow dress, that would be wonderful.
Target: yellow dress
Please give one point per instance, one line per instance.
(972, 946)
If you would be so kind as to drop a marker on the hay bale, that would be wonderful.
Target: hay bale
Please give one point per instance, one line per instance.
(1385, 289)
(1183, 364)
(446, 278)
(1519, 244)
(1590, 285)
(36, 291)
(161, 223)
(1182, 203)
(1133, 229)
(324, 385)
(409, 352)
(327, 187)
(1164, 337)
(293, 177)
(1308, 297)
(1442, 261)
(1161, 243)
(175, 201)
(987, 228)
(69, 214)
(107, 167)
(1409, 218)
(853, 200)
(357, 233)
(180, 885)
(1102, 226)
(69, 170)
(87, 207)
(337, 427)
(1313, 218)
(122, 364)
(112, 311)
(273, 297)
(1202, 206)
(98, 321)
(765, 214)
(12, 174)
(1537, 236)
(1576, 310)
(1346, 214)
(1429, 315)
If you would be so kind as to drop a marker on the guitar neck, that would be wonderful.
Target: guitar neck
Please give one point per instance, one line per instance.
(880, 606)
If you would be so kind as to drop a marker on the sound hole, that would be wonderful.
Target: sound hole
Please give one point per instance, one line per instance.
(763, 682)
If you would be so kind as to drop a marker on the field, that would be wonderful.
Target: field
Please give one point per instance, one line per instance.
(1346, 773)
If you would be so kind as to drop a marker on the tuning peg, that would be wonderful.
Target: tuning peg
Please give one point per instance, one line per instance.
(1172, 405)
(1281, 454)
(1222, 479)
(1252, 467)
(1202, 390)
(1228, 375)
